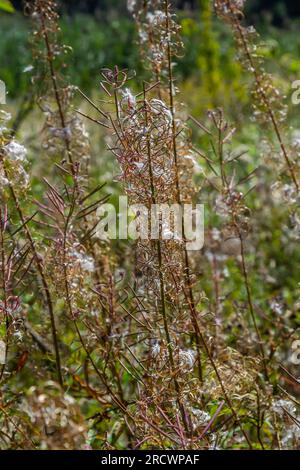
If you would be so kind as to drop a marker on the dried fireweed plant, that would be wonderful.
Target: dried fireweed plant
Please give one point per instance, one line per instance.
(162, 347)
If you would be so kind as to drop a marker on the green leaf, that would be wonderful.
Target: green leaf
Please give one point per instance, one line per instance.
(7, 6)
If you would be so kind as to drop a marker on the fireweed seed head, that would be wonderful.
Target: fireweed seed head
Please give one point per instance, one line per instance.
(15, 151)
(229, 7)
(291, 436)
(155, 350)
(187, 359)
(4, 118)
(199, 417)
(277, 307)
(159, 107)
(2, 352)
(131, 4)
(158, 17)
(280, 405)
(3, 180)
(128, 98)
(85, 262)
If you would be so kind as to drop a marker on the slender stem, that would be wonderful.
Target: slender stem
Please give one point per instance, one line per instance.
(187, 271)
(55, 86)
(250, 303)
(4, 286)
(226, 397)
(244, 267)
(261, 91)
(161, 276)
(40, 270)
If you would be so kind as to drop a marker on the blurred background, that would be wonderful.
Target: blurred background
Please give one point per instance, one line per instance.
(279, 9)
(103, 34)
